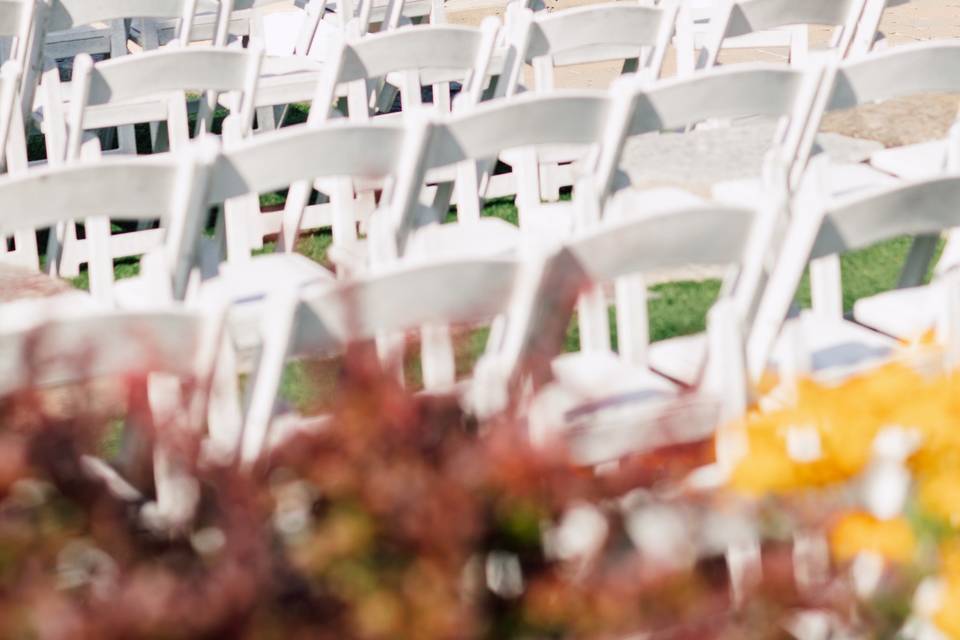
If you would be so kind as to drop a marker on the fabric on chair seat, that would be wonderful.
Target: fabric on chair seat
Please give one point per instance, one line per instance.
(906, 314)
(834, 348)
(604, 409)
(592, 375)
(485, 237)
(246, 286)
(912, 161)
(679, 358)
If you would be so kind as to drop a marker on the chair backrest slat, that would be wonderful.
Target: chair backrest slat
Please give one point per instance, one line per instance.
(69, 348)
(131, 189)
(465, 291)
(561, 118)
(918, 68)
(196, 68)
(707, 235)
(67, 14)
(748, 16)
(278, 159)
(926, 207)
(430, 47)
(629, 26)
(733, 92)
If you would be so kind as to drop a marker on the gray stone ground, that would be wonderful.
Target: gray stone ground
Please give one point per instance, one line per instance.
(696, 160)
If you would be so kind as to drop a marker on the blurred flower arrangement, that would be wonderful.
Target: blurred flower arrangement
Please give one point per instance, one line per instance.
(403, 518)
(880, 456)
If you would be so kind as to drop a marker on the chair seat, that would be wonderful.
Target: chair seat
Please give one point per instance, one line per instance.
(594, 375)
(604, 409)
(680, 358)
(485, 237)
(246, 286)
(913, 161)
(906, 314)
(832, 349)
(547, 223)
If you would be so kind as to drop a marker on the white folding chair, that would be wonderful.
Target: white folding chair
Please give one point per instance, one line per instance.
(925, 67)
(608, 404)
(821, 342)
(627, 31)
(72, 28)
(47, 344)
(421, 55)
(771, 102)
(462, 147)
(13, 160)
(711, 25)
(411, 57)
(278, 159)
(169, 187)
(19, 44)
(151, 88)
(917, 69)
(428, 297)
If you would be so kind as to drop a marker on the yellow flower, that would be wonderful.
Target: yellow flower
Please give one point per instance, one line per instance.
(939, 494)
(859, 531)
(948, 617)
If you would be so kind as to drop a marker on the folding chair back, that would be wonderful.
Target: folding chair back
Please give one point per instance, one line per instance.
(420, 56)
(625, 246)
(282, 158)
(151, 87)
(325, 319)
(70, 30)
(45, 346)
(823, 231)
(759, 23)
(474, 139)
(625, 31)
(167, 187)
(743, 91)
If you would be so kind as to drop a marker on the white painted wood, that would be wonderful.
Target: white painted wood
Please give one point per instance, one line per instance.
(709, 26)
(600, 402)
(140, 189)
(277, 160)
(478, 136)
(151, 87)
(827, 228)
(601, 32)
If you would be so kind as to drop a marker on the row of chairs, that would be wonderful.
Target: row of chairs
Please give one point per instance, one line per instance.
(152, 87)
(599, 229)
